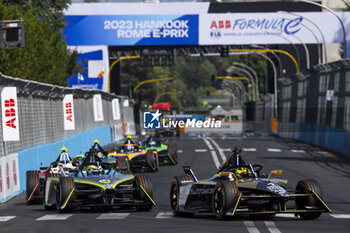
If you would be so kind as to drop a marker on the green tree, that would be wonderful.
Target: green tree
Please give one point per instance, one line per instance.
(192, 76)
(45, 57)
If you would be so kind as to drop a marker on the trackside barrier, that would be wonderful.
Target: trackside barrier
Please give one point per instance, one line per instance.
(38, 119)
(313, 106)
(30, 159)
(9, 177)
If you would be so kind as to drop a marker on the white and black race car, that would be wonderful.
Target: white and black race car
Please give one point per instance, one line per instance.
(35, 178)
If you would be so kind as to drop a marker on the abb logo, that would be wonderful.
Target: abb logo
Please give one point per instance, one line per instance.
(14, 172)
(69, 111)
(7, 176)
(10, 112)
(219, 24)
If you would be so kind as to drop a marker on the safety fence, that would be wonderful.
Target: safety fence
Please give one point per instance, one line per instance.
(257, 115)
(37, 119)
(313, 106)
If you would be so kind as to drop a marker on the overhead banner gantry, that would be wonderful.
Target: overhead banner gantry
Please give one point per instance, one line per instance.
(102, 32)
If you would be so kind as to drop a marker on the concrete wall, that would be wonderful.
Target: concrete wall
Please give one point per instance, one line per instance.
(31, 158)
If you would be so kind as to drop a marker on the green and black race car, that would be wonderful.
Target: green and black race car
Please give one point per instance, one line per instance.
(118, 162)
(167, 153)
(96, 184)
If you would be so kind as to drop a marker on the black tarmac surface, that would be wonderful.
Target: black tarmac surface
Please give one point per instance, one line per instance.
(297, 160)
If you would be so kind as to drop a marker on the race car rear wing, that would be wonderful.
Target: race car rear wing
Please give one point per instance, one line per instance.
(189, 171)
(281, 205)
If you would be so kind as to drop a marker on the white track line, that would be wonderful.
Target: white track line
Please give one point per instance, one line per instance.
(223, 157)
(6, 218)
(343, 216)
(298, 151)
(54, 217)
(200, 150)
(213, 153)
(180, 151)
(165, 215)
(273, 150)
(113, 216)
(249, 149)
(271, 226)
(251, 227)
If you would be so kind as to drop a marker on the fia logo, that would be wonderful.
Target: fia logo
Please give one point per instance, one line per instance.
(151, 120)
(215, 34)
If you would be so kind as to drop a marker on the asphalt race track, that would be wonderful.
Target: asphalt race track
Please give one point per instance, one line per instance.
(204, 152)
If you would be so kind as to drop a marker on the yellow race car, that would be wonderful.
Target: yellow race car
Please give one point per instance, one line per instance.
(130, 156)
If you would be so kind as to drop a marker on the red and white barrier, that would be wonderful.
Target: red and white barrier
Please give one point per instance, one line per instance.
(9, 176)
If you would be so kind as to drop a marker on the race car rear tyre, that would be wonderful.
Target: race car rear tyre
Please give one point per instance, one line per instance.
(64, 187)
(174, 195)
(32, 182)
(140, 195)
(224, 198)
(47, 175)
(152, 160)
(305, 187)
(172, 153)
(124, 172)
(122, 163)
(175, 155)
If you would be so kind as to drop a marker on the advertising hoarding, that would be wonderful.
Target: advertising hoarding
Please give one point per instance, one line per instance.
(129, 30)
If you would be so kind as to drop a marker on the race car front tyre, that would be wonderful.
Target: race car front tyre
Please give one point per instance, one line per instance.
(144, 192)
(174, 195)
(122, 163)
(152, 161)
(306, 187)
(224, 198)
(175, 154)
(47, 175)
(32, 186)
(64, 189)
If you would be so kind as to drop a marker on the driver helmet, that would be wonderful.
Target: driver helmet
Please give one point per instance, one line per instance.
(152, 142)
(129, 148)
(100, 155)
(64, 157)
(242, 172)
(93, 169)
(63, 149)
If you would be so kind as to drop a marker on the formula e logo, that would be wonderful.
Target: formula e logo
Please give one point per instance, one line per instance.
(151, 120)
(105, 181)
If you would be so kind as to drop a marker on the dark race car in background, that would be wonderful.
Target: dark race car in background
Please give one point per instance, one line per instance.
(241, 189)
(133, 157)
(167, 152)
